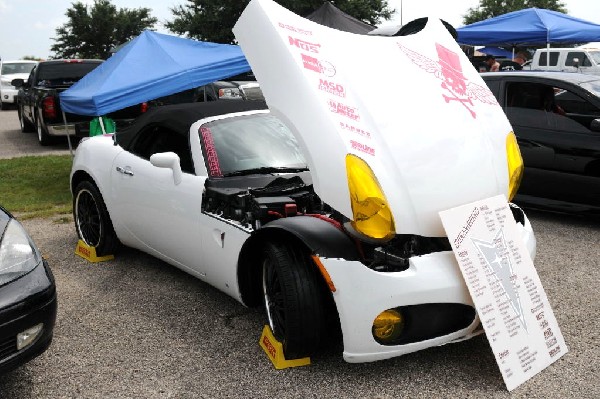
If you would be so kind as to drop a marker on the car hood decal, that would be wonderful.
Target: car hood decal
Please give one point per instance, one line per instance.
(413, 107)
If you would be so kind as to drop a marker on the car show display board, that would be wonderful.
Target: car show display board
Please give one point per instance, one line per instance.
(505, 287)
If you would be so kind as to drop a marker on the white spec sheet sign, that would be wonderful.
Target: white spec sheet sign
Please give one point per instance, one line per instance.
(505, 287)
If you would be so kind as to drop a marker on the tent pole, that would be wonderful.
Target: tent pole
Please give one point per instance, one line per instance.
(102, 125)
(67, 130)
(547, 56)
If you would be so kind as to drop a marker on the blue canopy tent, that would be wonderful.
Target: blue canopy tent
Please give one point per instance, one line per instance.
(530, 26)
(151, 66)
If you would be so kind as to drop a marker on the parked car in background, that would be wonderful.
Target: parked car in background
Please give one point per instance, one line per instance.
(27, 296)
(238, 87)
(38, 102)
(556, 118)
(10, 70)
(583, 60)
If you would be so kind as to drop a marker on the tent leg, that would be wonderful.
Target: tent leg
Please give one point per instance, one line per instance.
(68, 135)
(102, 125)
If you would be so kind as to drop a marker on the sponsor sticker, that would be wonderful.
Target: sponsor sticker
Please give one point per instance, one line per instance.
(304, 45)
(319, 66)
(295, 29)
(344, 110)
(332, 88)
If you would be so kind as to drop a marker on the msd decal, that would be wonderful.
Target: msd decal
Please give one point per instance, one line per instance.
(332, 88)
(322, 67)
(304, 45)
(344, 110)
(448, 69)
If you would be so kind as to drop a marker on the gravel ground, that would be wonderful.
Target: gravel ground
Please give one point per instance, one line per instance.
(136, 327)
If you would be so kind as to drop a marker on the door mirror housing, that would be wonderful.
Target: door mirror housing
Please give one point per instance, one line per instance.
(17, 83)
(168, 160)
(595, 125)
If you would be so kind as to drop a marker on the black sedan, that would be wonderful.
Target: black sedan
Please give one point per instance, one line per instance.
(27, 296)
(556, 118)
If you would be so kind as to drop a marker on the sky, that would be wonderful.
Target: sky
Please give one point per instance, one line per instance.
(27, 27)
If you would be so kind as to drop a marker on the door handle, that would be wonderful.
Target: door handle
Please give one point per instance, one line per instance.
(125, 171)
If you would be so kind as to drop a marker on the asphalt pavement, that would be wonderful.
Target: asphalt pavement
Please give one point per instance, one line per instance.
(136, 327)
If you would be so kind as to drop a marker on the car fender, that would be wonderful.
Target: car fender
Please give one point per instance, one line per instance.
(99, 150)
(318, 236)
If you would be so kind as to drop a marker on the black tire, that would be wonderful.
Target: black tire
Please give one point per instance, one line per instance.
(295, 299)
(26, 126)
(43, 137)
(92, 220)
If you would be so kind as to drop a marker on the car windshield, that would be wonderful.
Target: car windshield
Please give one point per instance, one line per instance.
(9, 68)
(593, 87)
(258, 143)
(595, 56)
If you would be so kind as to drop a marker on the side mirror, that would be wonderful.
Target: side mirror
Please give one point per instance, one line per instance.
(595, 125)
(576, 62)
(17, 82)
(168, 160)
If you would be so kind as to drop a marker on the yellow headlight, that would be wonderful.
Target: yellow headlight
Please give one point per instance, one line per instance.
(388, 326)
(515, 165)
(370, 210)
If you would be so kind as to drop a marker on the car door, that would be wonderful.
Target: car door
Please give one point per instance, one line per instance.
(551, 120)
(159, 216)
(27, 97)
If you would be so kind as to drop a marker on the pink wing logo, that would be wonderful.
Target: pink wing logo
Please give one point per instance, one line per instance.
(448, 69)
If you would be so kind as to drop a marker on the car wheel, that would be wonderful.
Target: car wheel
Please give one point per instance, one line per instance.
(43, 136)
(294, 299)
(26, 127)
(92, 221)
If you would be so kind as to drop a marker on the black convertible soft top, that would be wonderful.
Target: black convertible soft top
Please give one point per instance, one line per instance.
(180, 117)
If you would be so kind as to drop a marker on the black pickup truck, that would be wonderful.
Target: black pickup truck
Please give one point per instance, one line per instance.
(38, 104)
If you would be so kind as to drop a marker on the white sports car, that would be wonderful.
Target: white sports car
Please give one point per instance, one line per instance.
(222, 191)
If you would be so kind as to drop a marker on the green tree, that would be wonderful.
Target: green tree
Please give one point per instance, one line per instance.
(493, 8)
(93, 31)
(213, 20)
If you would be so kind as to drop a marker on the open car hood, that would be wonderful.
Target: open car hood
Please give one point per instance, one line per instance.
(412, 107)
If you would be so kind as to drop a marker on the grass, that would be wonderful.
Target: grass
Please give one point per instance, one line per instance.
(36, 186)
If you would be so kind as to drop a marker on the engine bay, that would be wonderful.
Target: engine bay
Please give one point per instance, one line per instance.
(267, 197)
(264, 199)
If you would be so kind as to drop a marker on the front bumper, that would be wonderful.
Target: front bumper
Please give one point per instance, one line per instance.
(24, 303)
(362, 294)
(8, 96)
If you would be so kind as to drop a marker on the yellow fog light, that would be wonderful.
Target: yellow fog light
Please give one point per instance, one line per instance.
(372, 215)
(29, 336)
(515, 165)
(388, 326)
